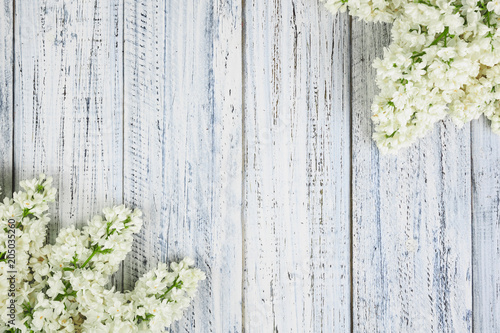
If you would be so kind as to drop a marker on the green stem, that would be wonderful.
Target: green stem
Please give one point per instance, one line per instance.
(91, 256)
(174, 285)
(171, 287)
(443, 34)
(390, 136)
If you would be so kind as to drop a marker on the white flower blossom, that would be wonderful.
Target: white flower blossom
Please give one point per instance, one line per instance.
(61, 287)
(443, 61)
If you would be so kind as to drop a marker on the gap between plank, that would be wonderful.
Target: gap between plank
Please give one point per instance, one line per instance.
(122, 264)
(351, 179)
(472, 225)
(243, 163)
(13, 93)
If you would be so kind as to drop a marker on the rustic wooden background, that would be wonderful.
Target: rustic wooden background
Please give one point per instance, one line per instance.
(242, 129)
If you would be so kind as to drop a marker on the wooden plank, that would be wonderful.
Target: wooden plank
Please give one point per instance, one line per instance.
(297, 164)
(68, 103)
(183, 148)
(411, 217)
(6, 95)
(485, 226)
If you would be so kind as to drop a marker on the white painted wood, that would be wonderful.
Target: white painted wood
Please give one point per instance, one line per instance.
(259, 196)
(68, 103)
(485, 224)
(297, 164)
(411, 218)
(183, 148)
(6, 95)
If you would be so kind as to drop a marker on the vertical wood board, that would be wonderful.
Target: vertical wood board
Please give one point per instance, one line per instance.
(68, 103)
(485, 226)
(6, 95)
(183, 148)
(411, 217)
(297, 164)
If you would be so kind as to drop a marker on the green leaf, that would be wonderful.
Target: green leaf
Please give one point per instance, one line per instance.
(390, 136)
(26, 212)
(40, 188)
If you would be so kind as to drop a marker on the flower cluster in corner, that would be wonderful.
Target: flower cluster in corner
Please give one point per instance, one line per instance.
(444, 59)
(61, 287)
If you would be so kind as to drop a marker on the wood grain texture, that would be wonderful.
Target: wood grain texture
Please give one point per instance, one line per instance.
(68, 103)
(297, 163)
(228, 123)
(6, 95)
(411, 218)
(183, 148)
(485, 226)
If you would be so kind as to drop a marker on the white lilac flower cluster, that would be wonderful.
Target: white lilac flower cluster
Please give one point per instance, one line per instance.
(444, 59)
(61, 287)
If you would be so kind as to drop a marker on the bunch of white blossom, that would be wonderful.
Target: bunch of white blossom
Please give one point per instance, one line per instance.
(61, 287)
(444, 60)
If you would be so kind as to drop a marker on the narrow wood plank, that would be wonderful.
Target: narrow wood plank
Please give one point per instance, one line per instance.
(68, 103)
(183, 149)
(485, 226)
(297, 164)
(6, 95)
(411, 217)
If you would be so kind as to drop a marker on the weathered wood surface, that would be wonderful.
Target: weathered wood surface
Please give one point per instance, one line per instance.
(411, 217)
(486, 227)
(183, 148)
(297, 164)
(68, 103)
(6, 95)
(229, 124)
